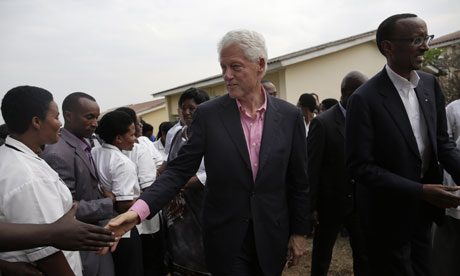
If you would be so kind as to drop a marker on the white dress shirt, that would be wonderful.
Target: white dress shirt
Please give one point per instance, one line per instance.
(154, 152)
(406, 91)
(162, 153)
(32, 192)
(448, 181)
(117, 172)
(146, 174)
(453, 119)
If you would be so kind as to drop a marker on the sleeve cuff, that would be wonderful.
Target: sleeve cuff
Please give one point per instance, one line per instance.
(202, 177)
(141, 208)
(40, 253)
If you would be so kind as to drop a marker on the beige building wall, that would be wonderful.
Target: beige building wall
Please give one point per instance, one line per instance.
(323, 75)
(155, 118)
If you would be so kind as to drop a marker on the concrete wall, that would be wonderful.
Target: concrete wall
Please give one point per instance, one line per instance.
(323, 75)
(155, 118)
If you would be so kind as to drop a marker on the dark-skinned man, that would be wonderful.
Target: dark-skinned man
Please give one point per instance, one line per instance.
(332, 190)
(395, 140)
(71, 159)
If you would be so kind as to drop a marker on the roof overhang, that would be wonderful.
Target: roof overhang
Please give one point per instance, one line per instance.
(279, 63)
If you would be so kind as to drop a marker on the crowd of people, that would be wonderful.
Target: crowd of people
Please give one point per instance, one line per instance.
(238, 182)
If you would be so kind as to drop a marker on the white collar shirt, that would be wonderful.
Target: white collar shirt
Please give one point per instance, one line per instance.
(146, 174)
(162, 153)
(453, 119)
(117, 172)
(409, 99)
(145, 166)
(154, 151)
(32, 192)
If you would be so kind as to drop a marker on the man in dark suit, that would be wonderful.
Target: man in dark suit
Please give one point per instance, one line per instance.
(332, 190)
(255, 209)
(395, 140)
(71, 158)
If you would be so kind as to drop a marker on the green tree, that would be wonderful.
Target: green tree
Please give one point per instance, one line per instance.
(447, 61)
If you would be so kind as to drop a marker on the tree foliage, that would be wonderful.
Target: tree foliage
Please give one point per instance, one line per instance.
(447, 61)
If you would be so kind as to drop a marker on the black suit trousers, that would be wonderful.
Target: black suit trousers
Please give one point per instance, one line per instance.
(324, 239)
(402, 258)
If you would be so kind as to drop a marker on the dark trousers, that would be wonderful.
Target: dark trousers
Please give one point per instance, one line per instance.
(446, 248)
(247, 262)
(324, 239)
(127, 257)
(153, 254)
(96, 264)
(408, 257)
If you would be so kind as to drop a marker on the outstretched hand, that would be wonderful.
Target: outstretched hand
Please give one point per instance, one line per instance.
(120, 225)
(296, 249)
(440, 195)
(69, 233)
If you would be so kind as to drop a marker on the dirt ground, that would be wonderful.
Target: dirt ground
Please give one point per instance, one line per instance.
(341, 264)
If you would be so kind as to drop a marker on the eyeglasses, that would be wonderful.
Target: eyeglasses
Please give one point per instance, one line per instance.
(417, 41)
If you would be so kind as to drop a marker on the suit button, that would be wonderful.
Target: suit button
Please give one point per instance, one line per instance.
(246, 220)
(352, 181)
(253, 193)
(349, 196)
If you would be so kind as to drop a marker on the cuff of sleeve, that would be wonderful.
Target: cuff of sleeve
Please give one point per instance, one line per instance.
(40, 253)
(141, 208)
(124, 198)
(146, 184)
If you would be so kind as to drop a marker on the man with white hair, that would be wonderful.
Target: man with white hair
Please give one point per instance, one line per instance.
(255, 210)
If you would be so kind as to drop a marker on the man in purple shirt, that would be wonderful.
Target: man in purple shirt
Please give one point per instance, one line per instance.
(255, 207)
(71, 158)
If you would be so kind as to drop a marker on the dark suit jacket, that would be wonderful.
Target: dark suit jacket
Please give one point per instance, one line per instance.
(331, 186)
(382, 154)
(71, 163)
(277, 203)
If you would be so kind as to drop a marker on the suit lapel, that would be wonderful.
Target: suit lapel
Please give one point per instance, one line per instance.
(230, 117)
(426, 101)
(395, 107)
(79, 151)
(339, 120)
(269, 134)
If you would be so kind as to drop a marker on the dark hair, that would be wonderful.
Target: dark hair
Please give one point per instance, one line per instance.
(307, 100)
(21, 104)
(128, 111)
(112, 124)
(199, 96)
(146, 127)
(4, 131)
(328, 103)
(386, 28)
(71, 101)
(164, 127)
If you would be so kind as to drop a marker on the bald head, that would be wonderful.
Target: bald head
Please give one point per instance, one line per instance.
(350, 83)
(269, 87)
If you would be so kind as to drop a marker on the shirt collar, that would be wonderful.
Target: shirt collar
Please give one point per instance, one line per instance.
(400, 82)
(260, 110)
(83, 144)
(20, 146)
(344, 111)
(110, 146)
